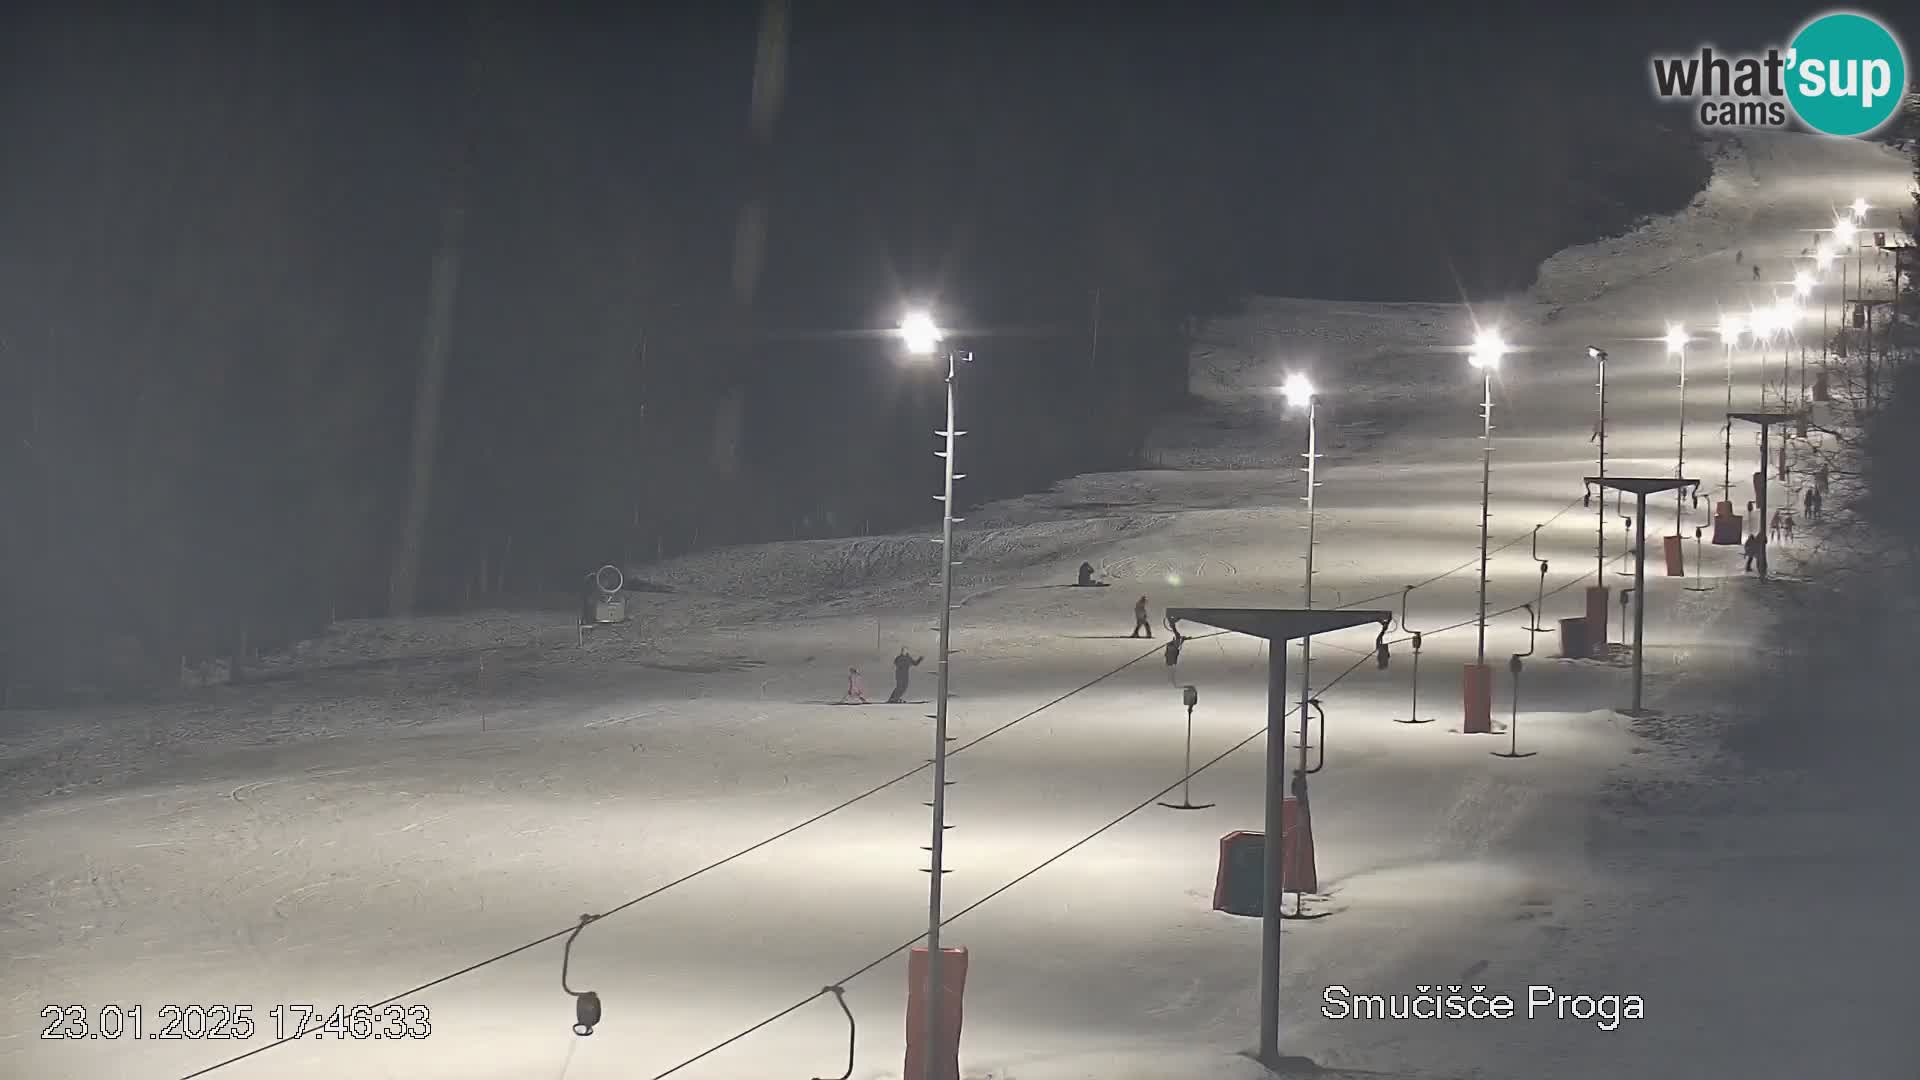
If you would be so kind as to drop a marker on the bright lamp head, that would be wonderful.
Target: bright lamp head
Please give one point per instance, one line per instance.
(1802, 282)
(920, 333)
(1298, 390)
(1488, 348)
(1731, 327)
(1823, 258)
(1859, 208)
(1843, 231)
(1676, 338)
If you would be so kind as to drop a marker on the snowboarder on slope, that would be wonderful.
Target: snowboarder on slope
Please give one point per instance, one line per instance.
(1140, 618)
(902, 664)
(856, 689)
(1173, 651)
(1755, 547)
(1086, 576)
(1756, 271)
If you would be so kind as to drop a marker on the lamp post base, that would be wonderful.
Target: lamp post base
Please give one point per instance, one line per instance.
(1476, 693)
(1598, 597)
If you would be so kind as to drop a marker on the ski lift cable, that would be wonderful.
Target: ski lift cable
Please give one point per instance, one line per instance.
(822, 815)
(718, 863)
(1002, 889)
(1469, 564)
(1045, 863)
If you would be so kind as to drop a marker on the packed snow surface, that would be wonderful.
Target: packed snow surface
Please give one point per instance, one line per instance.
(403, 799)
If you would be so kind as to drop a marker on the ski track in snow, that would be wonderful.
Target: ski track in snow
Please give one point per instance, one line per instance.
(409, 797)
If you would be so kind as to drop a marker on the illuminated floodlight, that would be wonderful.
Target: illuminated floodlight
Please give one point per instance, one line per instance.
(1298, 390)
(919, 331)
(1488, 348)
(1676, 338)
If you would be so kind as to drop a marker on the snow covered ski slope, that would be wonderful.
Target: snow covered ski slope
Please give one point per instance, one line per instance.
(342, 837)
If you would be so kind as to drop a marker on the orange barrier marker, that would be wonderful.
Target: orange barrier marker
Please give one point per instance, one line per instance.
(1676, 557)
(953, 984)
(1241, 876)
(1597, 598)
(1476, 692)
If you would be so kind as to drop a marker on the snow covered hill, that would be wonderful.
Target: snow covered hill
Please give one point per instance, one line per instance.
(342, 837)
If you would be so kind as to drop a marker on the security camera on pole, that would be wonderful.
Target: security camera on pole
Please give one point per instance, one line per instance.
(1476, 684)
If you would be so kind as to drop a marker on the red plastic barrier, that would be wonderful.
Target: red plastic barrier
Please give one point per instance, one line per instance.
(1597, 598)
(953, 985)
(1476, 692)
(1296, 847)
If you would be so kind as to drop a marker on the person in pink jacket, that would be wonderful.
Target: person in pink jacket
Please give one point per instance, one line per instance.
(856, 689)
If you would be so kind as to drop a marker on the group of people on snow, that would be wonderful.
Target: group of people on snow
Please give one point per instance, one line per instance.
(1780, 525)
(905, 662)
(903, 666)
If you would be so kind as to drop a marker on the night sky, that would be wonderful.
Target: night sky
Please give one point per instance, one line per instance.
(218, 225)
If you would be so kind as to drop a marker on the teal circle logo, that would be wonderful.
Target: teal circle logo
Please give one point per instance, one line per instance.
(1846, 74)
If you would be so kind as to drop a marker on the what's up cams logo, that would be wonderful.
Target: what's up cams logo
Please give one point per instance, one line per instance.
(1843, 74)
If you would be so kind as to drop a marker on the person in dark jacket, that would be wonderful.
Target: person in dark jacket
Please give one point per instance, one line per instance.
(1086, 576)
(902, 664)
(1140, 618)
(1755, 547)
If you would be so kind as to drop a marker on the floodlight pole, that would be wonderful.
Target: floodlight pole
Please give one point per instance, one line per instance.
(936, 848)
(1306, 643)
(1726, 468)
(1486, 489)
(1680, 451)
(1600, 433)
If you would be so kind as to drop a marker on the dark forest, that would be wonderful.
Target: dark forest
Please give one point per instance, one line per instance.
(668, 248)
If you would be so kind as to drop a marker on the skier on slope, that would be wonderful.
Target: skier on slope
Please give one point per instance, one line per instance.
(1140, 618)
(856, 689)
(902, 664)
(1756, 547)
